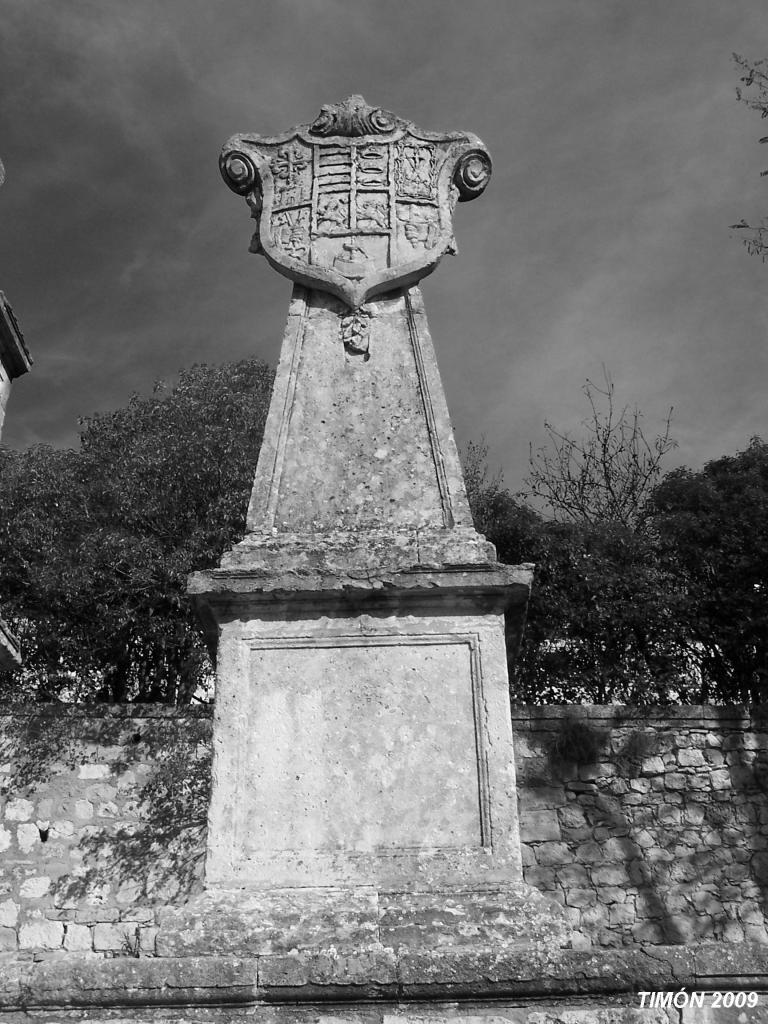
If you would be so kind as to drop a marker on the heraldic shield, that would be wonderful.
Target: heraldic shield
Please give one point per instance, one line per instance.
(357, 203)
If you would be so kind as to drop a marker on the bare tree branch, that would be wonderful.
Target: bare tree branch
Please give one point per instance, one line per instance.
(753, 93)
(605, 475)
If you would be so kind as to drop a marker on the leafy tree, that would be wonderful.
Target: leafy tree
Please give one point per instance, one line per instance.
(96, 543)
(606, 621)
(713, 526)
(604, 475)
(604, 616)
(753, 92)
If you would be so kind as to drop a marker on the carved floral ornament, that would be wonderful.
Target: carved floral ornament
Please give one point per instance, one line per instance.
(357, 203)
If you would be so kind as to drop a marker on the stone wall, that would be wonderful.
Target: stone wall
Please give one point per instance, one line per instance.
(650, 826)
(102, 820)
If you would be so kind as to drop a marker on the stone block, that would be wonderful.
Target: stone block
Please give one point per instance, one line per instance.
(296, 970)
(588, 853)
(8, 939)
(675, 780)
(9, 913)
(543, 797)
(621, 915)
(544, 878)
(83, 810)
(647, 931)
(539, 825)
(41, 935)
(639, 785)
(147, 939)
(552, 853)
(571, 817)
(669, 814)
(594, 917)
(617, 849)
(78, 937)
(139, 915)
(652, 766)
(581, 898)
(720, 779)
(756, 933)
(690, 757)
(119, 937)
(733, 931)
(19, 809)
(527, 855)
(644, 839)
(35, 888)
(5, 839)
(573, 876)
(92, 915)
(28, 837)
(94, 771)
(610, 874)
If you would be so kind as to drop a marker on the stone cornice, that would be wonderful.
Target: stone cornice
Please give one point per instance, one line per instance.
(319, 977)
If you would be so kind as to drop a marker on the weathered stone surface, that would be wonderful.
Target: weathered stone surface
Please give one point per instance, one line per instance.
(514, 917)
(127, 981)
(382, 747)
(245, 922)
(603, 981)
(358, 470)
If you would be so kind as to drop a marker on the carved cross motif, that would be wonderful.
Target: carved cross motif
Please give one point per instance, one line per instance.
(287, 162)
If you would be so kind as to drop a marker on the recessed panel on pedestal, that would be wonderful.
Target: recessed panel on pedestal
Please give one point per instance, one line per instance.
(361, 745)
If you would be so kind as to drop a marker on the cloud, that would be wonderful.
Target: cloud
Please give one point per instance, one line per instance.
(621, 157)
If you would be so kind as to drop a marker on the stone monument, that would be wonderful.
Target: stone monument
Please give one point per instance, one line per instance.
(363, 783)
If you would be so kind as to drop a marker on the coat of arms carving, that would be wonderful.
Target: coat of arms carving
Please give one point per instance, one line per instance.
(357, 203)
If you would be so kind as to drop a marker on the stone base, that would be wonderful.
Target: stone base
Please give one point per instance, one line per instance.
(552, 986)
(240, 922)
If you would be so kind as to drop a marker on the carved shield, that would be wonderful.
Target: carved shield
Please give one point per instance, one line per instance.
(359, 202)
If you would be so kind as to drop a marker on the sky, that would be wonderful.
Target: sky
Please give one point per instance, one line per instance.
(621, 158)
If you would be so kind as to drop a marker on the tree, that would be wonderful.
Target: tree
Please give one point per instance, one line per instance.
(604, 475)
(604, 616)
(96, 544)
(754, 93)
(606, 621)
(712, 526)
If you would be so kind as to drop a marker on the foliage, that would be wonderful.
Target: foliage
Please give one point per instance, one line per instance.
(712, 526)
(605, 619)
(753, 92)
(577, 743)
(604, 475)
(96, 544)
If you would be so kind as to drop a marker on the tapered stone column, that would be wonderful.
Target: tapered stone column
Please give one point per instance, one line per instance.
(364, 785)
